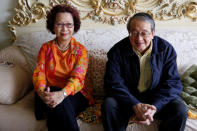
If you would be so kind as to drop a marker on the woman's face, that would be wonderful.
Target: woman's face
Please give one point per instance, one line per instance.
(64, 26)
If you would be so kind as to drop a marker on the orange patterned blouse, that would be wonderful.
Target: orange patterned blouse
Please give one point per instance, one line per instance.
(66, 70)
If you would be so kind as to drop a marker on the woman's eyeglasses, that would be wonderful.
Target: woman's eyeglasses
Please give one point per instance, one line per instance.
(62, 25)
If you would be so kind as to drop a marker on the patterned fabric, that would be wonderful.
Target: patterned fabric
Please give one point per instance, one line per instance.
(63, 69)
(93, 113)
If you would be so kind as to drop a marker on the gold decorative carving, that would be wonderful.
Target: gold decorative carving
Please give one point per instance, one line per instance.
(38, 11)
(106, 11)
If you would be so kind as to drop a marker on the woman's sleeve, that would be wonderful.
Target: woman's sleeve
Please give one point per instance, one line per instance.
(39, 76)
(77, 77)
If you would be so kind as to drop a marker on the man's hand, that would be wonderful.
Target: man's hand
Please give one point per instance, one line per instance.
(144, 113)
(52, 99)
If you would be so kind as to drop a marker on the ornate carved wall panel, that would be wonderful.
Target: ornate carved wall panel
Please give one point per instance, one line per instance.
(106, 11)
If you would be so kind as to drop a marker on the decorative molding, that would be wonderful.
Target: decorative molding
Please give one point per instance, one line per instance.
(106, 11)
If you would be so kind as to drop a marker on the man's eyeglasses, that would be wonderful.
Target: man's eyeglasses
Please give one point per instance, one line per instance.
(143, 34)
(62, 25)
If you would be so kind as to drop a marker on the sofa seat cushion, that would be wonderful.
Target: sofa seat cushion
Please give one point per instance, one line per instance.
(15, 83)
(20, 116)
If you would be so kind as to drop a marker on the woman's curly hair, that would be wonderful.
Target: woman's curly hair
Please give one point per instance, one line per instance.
(51, 16)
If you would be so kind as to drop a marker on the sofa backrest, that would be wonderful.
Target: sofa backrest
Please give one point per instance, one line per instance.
(99, 41)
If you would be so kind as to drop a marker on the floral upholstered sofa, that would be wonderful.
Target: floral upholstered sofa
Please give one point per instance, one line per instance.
(18, 61)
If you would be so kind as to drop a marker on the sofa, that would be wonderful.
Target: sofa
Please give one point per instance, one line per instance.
(17, 63)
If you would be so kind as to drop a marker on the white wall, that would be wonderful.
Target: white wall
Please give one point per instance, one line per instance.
(6, 12)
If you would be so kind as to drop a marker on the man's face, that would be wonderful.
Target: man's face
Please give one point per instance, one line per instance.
(140, 35)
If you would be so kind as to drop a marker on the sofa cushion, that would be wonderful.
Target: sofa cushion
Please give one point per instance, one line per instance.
(99, 41)
(188, 79)
(14, 83)
(189, 94)
(30, 44)
(96, 70)
(194, 75)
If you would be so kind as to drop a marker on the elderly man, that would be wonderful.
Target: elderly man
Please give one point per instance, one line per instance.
(142, 80)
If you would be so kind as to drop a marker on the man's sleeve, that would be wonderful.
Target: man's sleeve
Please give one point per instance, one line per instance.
(114, 83)
(170, 86)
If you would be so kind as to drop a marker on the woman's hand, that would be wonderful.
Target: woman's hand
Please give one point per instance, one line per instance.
(52, 99)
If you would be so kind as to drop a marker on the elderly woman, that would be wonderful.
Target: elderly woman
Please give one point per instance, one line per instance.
(59, 76)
